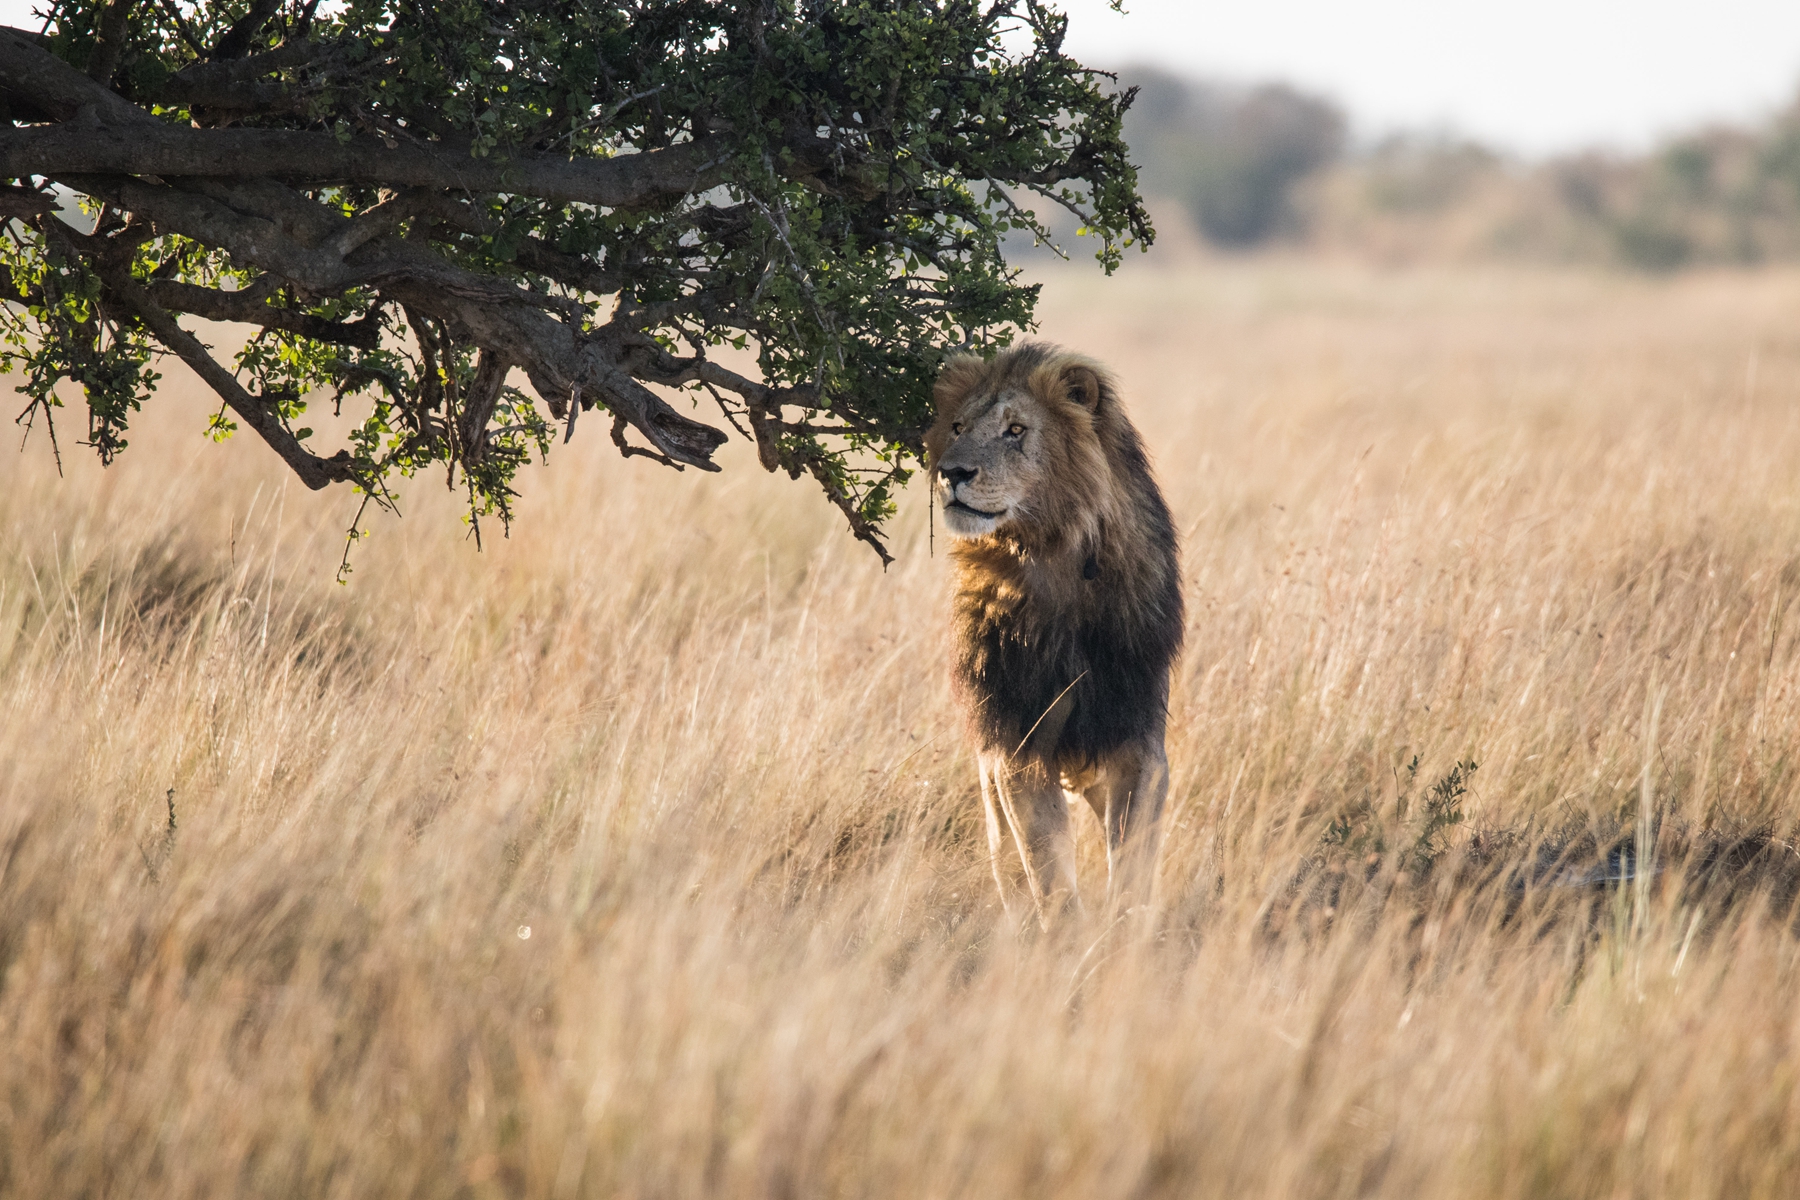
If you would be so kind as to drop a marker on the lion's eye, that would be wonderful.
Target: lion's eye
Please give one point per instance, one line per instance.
(1015, 429)
(956, 427)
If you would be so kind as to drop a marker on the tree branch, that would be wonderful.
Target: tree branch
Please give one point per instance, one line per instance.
(168, 151)
(478, 407)
(235, 42)
(248, 238)
(385, 165)
(44, 82)
(531, 254)
(110, 44)
(182, 27)
(114, 136)
(24, 202)
(559, 359)
(249, 308)
(314, 472)
(242, 83)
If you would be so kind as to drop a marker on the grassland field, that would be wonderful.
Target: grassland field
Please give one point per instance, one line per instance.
(638, 854)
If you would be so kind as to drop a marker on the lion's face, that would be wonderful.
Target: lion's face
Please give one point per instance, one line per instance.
(993, 464)
(1014, 447)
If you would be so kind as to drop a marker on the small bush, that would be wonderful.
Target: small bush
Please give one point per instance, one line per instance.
(1420, 836)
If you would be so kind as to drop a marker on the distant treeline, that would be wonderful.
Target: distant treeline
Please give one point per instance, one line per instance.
(1254, 166)
(1231, 157)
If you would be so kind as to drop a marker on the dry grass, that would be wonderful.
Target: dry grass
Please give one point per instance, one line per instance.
(688, 735)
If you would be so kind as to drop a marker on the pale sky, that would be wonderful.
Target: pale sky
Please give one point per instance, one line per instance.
(1533, 76)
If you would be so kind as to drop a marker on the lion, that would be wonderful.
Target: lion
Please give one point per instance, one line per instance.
(1067, 614)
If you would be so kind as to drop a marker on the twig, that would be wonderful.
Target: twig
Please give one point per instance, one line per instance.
(1038, 229)
(355, 535)
(181, 27)
(608, 114)
(29, 417)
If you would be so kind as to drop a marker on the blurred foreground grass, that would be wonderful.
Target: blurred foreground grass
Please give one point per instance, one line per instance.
(639, 855)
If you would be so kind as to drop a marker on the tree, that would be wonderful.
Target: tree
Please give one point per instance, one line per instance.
(411, 200)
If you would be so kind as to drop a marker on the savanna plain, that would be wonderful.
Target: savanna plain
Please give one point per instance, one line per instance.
(638, 854)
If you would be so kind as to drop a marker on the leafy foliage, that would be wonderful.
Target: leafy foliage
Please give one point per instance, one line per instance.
(413, 199)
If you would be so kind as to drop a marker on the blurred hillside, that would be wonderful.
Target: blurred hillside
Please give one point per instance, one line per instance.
(1249, 167)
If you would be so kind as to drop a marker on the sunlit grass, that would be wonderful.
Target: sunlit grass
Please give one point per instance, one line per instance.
(640, 855)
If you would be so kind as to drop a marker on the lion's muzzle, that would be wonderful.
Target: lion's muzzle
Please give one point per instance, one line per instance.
(962, 517)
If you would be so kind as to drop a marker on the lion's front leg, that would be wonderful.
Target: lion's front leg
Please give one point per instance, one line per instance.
(1130, 806)
(1028, 798)
(1009, 875)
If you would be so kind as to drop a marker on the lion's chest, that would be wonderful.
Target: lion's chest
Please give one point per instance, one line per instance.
(1078, 665)
(1024, 657)
(1011, 620)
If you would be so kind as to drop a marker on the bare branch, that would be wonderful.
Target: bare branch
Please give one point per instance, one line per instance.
(560, 359)
(24, 202)
(168, 151)
(626, 449)
(505, 319)
(247, 238)
(243, 83)
(376, 222)
(249, 308)
(860, 527)
(49, 85)
(181, 25)
(254, 227)
(478, 406)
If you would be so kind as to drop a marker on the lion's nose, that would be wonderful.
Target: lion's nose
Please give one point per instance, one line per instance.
(956, 476)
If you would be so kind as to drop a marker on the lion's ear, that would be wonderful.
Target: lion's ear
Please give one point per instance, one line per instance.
(1082, 386)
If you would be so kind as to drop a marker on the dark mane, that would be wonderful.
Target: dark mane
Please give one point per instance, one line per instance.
(1062, 642)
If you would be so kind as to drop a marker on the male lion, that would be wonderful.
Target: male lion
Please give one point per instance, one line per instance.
(1067, 615)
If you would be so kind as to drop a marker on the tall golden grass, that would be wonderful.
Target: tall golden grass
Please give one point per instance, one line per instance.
(638, 855)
